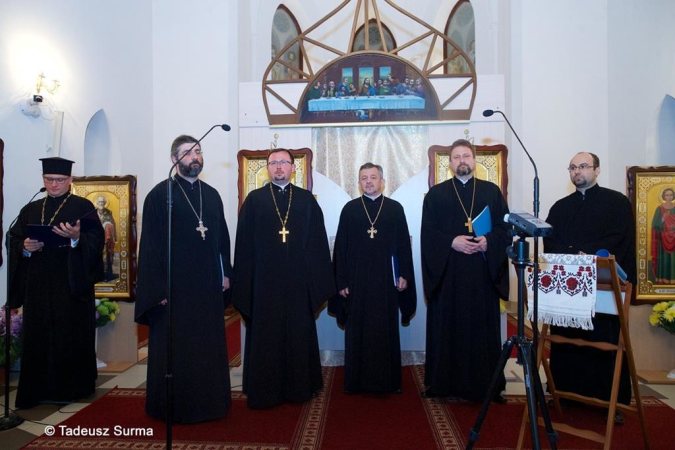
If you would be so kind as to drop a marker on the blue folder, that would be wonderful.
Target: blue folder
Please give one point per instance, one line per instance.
(482, 224)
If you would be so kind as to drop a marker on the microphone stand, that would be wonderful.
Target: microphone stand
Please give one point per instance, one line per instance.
(169, 349)
(10, 419)
(519, 254)
(535, 262)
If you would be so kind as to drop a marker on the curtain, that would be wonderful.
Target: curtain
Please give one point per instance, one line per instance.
(400, 150)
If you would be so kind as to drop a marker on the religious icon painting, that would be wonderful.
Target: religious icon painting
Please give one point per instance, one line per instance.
(652, 193)
(114, 198)
(253, 170)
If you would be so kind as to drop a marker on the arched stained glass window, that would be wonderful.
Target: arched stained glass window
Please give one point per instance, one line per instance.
(284, 29)
(461, 28)
(374, 38)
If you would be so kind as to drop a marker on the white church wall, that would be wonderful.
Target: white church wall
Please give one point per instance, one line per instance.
(560, 77)
(99, 52)
(195, 71)
(641, 65)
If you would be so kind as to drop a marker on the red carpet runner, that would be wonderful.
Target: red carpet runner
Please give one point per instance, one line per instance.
(233, 338)
(335, 420)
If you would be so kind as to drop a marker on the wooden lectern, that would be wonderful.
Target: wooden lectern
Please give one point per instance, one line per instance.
(610, 284)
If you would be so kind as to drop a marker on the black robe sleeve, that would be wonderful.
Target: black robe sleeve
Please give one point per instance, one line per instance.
(225, 254)
(337, 304)
(85, 262)
(407, 300)
(152, 262)
(320, 274)
(18, 265)
(244, 261)
(436, 245)
(498, 240)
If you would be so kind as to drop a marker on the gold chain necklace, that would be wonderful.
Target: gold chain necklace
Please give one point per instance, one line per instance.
(201, 228)
(468, 223)
(372, 230)
(283, 231)
(44, 203)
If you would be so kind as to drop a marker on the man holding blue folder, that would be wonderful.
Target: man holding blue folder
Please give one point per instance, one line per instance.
(55, 260)
(465, 272)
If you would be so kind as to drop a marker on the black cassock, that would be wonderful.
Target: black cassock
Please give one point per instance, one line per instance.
(599, 219)
(370, 312)
(55, 286)
(463, 291)
(201, 379)
(279, 288)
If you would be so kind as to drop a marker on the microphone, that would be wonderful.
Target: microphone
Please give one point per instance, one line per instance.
(490, 112)
(528, 224)
(9, 229)
(224, 127)
(619, 271)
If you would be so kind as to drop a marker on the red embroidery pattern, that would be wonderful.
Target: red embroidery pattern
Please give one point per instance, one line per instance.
(561, 279)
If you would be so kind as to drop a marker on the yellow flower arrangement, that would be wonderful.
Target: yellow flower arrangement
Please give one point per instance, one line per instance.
(106, 311)
(663, 316)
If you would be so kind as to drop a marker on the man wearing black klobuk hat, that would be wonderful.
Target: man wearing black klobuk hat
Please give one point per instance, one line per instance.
(54, 282)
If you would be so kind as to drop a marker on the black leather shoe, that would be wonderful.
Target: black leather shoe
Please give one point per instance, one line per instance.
(396, 391)
(619, 419)
(499, 399)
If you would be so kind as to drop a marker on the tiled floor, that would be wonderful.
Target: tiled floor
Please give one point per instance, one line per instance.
(37, 418)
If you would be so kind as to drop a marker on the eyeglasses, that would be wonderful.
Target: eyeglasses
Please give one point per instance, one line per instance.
(572, 168)
(50, 180)
(279, 163)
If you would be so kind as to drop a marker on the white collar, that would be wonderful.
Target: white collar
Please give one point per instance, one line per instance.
(373, 198)
(280, 186)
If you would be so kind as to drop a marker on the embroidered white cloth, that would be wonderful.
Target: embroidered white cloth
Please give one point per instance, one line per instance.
(567, 290)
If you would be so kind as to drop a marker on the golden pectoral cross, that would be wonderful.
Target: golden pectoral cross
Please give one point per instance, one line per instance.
(283, 233)
(372, 232)
(202, 229)
(469, 225)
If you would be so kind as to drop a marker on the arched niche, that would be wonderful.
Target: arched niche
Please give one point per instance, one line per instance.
(461, 28)
(97, 145)
(666, 132)
(285, 28)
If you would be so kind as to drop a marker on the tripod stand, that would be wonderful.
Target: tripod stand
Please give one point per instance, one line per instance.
(519, 255)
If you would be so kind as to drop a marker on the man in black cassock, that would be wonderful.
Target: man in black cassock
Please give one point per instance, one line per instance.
(54, 282)
(282, 278)
(200, 278)
(590, 219)
(464, 277)
(375, 277)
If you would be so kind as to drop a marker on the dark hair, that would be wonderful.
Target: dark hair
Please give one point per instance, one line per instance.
(180, 140)
(370, 165)
(596, 160)
(663, 194)
(277, 150)
(463, 143)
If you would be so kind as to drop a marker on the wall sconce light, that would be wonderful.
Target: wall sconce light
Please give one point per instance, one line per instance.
(41, 84)
(32, 105)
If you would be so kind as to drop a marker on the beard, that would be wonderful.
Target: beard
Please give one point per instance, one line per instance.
(192, 169)
(463, 170)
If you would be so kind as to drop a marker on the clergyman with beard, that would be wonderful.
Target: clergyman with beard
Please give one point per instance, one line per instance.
(200, 282)
(464, 277)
